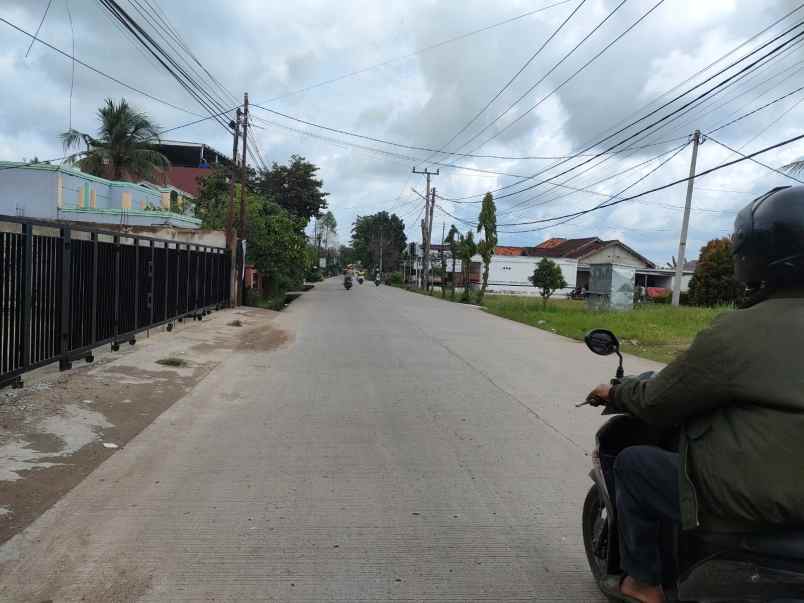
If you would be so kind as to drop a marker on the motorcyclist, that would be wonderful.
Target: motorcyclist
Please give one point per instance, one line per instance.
(737, 397)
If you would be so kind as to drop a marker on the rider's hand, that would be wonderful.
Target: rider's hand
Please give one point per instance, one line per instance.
(602, 391)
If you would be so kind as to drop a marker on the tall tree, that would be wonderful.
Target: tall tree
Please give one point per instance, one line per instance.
(377, 234)
(123, 148)
(295, 186)
(714, 282)
(487, 222)
(453, 237)
(467, 248)
(328, 225)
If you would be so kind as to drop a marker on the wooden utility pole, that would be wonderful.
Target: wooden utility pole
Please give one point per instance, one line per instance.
(243, 182)
(681, 260)
(427, 224)
(231, 239)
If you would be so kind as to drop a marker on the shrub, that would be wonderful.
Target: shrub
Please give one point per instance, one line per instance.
(396, 278)
(714, 283)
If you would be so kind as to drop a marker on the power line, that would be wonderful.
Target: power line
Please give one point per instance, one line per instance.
(663, 106)
(765, 165)
(39, 28)
(662, 119)
(665, 186)
(562, 84)
(98, 71)
(416, 52)
(516, 75)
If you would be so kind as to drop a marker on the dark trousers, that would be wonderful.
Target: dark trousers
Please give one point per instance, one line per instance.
(646, 492)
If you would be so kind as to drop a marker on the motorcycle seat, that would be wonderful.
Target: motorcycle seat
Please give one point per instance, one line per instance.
(770, 542)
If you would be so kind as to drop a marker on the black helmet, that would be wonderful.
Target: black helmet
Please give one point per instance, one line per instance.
(768, 240)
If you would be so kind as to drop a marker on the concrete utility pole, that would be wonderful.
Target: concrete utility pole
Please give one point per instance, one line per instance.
(231, 239)
(681, 259)
(429, 274)
(381, 251)
(427, 224)
(243, 178)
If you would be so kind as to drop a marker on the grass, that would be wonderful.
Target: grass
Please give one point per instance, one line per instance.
(656, 331)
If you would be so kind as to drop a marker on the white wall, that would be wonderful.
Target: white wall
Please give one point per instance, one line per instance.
(510, 274)
(614, 255)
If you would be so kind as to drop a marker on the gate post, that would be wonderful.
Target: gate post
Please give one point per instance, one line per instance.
(66, 291)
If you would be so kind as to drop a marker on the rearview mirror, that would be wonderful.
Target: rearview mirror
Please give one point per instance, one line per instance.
(602, 342)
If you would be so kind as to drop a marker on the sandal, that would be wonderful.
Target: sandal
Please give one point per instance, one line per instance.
(611, 586)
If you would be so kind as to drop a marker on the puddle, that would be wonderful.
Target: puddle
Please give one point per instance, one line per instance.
(73, 429)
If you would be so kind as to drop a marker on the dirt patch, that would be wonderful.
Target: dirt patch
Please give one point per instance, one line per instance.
(57, 430)
(171, 361)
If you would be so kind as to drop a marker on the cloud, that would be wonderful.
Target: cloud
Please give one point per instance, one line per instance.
(425, 99)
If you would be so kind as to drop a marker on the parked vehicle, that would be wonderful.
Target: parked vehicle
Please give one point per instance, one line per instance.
(763, 565)
(577, 293)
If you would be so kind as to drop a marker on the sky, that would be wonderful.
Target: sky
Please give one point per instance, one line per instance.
(418, 72)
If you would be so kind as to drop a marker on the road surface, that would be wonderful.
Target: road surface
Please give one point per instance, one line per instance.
(393, 447)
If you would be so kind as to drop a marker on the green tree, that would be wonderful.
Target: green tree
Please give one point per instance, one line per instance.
(294, 187)
(276, 245)
(379, 233)
(452, 241)
(467, 248)
(212, 201)
(487, 222)
(714, 282)
(548, 278)
(123, 148)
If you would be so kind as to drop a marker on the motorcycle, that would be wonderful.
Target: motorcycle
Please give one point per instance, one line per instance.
(699, 565)
(377, 281)
(360, 279)
(347, 283)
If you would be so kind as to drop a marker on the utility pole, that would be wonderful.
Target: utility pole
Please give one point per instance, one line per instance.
(231, 239)
(427, 224)
(429, 274)
(681, 260)
(243, 177)
(380, 251)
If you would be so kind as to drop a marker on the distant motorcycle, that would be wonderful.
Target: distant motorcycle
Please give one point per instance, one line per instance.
(347, 283)
(360, 279)
(377, 281)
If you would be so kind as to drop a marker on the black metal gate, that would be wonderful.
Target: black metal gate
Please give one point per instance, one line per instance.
(67, 289)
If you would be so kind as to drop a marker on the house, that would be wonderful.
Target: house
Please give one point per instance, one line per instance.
(510, 270)
(189, 162)
(64, 193)
(593, 250)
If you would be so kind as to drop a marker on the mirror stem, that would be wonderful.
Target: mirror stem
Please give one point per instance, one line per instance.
(620, 372)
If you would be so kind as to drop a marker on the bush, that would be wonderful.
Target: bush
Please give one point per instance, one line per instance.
(395, 278)
(314, 276)
(714, 283)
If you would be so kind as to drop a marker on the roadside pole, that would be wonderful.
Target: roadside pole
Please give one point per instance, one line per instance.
(429, 285)
(681, 258)
(243, 178)
(427, 225)
(231, 239)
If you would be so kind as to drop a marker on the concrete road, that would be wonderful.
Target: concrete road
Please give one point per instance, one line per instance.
(395, 447)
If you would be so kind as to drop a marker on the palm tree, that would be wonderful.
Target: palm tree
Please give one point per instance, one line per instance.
(123, 149)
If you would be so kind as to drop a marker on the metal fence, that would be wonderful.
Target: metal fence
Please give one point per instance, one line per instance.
(67, 289)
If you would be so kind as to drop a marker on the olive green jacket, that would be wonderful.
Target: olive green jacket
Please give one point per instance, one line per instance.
(738, 396)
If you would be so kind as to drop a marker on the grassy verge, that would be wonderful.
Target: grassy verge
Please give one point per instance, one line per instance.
(654, 331)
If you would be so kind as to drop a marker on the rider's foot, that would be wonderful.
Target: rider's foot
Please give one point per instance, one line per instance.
(642, 592)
